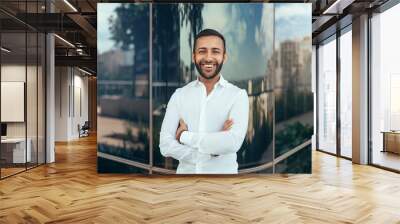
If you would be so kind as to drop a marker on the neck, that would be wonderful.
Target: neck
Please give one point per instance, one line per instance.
(209, 83)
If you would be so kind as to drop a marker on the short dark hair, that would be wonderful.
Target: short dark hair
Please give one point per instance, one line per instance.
(208, 32)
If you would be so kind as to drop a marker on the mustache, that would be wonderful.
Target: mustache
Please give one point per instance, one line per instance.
(205, 61)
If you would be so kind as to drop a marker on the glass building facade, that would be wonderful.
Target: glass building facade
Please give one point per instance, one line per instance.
(144, 54)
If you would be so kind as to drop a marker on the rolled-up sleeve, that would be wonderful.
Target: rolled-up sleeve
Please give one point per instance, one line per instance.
(169, 146)
(223, 142)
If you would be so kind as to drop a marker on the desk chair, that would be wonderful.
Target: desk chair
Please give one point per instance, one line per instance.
(84, 130)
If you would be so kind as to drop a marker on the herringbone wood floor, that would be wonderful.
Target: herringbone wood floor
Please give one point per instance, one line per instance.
(71, 191)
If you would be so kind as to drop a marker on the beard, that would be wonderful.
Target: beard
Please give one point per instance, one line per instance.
(203, 74)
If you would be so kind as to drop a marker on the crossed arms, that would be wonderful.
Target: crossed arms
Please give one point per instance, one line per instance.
(228, 140)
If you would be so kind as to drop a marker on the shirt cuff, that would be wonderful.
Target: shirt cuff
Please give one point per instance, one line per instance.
(186, 138)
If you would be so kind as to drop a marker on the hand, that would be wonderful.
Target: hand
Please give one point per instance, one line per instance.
(181, 128)
(227, 125)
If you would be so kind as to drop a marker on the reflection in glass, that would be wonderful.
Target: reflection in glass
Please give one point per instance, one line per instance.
(171, 30)
(111, 166)
(265, 171)
(327, 96)
(123, 85)
(300, 162)
(253, 64)
(292, 82)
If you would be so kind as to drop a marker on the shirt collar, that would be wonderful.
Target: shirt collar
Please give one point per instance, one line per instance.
(221, 82)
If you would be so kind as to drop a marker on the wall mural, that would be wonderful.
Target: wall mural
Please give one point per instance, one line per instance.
(146, 70)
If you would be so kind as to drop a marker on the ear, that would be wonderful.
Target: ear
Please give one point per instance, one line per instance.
(194, 61)
(225, 57)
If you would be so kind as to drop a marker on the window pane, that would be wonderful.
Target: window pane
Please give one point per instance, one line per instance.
(171, 70)
(346, 94)
(327, 96)
(385, 84)
(22, 64)
(32, 86)
(292, 79)
(14, 153)
(123, 82)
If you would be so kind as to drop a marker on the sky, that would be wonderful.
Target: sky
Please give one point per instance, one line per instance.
(104, 11)
(293, 20)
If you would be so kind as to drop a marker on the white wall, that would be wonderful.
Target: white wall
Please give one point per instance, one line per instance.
(62, 81)
(33, 126)
(12, 73)
(70, 84)
(80, 89)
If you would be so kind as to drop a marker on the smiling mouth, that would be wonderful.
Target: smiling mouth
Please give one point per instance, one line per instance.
(208, 66)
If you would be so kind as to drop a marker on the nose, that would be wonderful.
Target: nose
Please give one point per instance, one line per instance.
(209, 57)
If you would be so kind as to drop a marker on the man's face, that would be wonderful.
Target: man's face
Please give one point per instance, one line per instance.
(209, 56)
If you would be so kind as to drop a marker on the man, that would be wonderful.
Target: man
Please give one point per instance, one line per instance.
(206, 120)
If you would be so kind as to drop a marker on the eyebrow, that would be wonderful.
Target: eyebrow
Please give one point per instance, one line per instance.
(214, 48)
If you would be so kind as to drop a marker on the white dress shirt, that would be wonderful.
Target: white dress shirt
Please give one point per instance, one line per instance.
(205, 116)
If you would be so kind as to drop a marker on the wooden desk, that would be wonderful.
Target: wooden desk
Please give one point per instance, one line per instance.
(391, 141)
(15, 148)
